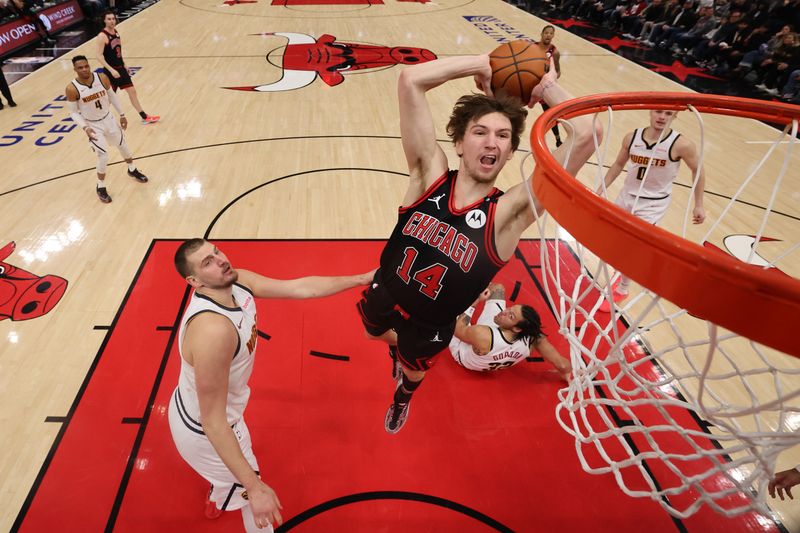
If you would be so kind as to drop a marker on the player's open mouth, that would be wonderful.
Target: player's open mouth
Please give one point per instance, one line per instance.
(488, 160)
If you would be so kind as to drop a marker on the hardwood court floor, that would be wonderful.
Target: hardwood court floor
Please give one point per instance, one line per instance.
(329, 152)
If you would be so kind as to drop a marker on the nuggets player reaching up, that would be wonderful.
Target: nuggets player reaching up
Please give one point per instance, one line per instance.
(109, 53)
(89, 97)
(653, 157)
(217, 343)
(455, 229)
(503, 336)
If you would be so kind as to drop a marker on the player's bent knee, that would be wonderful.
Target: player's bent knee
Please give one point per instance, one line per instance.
(414, 375)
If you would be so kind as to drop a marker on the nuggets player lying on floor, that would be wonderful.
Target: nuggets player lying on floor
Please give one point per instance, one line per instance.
(503, 336)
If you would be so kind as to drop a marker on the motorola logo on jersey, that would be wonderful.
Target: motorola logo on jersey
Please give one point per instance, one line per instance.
(307, 58)
(476, 219)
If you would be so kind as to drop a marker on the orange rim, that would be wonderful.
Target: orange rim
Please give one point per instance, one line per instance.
(762, 305)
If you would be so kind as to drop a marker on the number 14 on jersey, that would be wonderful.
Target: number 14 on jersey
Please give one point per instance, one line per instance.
(429, 277)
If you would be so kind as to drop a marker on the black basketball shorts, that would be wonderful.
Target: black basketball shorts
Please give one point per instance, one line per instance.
(418, 343)
(124, 80)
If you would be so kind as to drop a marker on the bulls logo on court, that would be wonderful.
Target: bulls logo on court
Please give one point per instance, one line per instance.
(305, 58)
(740, 247)
(24, 295)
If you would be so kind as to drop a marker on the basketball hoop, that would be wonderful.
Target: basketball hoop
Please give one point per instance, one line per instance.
(687, 392)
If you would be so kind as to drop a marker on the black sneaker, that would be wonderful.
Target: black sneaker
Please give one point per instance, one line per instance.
(12, 103)
(102, 193)
(396, 417)
(397, 367)
(138, 176)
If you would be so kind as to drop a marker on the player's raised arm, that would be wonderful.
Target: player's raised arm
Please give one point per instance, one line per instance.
(301, 288)
(514, 213)
(425, 158)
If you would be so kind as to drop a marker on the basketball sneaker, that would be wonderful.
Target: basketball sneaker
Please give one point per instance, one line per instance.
(138, 176)
(102, 193)
(395, 417)
(151, 119)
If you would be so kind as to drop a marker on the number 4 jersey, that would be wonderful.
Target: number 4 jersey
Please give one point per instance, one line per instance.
(92, 99)
(440, 258)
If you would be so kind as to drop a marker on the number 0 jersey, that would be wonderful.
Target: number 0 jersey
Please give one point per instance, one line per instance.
(663, 169)
(93, 101)
(439, 258)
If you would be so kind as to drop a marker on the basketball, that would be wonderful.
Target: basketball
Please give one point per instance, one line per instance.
(517, 67)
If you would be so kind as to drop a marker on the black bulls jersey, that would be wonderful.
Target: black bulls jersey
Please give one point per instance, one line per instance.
(112, 51)
(439, 259)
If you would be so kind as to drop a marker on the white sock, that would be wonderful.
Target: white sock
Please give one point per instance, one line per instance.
(131, 167)
(250, 522)
(101, 184)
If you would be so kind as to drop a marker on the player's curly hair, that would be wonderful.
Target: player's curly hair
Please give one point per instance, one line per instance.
(474, 106)
(530, 324)
(181, 254)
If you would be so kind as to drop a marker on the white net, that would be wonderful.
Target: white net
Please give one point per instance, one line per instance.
(678, 409)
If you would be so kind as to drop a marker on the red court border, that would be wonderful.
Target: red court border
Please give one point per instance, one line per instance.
(116, 484)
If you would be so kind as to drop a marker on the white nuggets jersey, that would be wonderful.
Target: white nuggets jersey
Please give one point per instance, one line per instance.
(93, 101)
(663, 169)
(243, 319)
(503, 353)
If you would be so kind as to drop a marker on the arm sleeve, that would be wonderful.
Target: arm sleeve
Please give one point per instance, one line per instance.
(75, 114)
(112, 97)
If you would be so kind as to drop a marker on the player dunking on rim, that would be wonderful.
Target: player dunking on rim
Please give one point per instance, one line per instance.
(89, 97)
(441, 255)
(109, 53)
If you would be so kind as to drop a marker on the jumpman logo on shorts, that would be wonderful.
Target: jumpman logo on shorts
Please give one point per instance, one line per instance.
(436, 338)
(436, 199)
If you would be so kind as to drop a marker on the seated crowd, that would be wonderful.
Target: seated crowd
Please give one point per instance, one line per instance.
(750, 40)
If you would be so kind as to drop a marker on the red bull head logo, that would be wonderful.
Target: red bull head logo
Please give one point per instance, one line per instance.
(306, 58)
(741, 247)
(24, 295)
